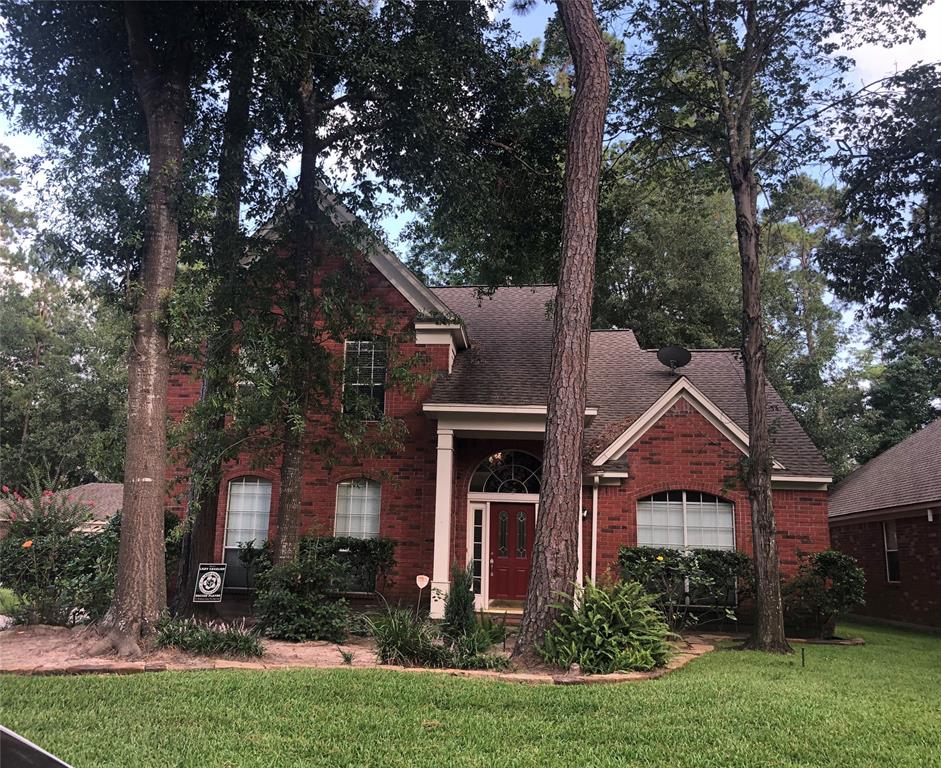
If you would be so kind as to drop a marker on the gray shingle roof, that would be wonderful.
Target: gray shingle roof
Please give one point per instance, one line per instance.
(508, 364)
(908, 473)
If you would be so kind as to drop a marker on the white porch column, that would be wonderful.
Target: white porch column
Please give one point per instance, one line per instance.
(440, 578)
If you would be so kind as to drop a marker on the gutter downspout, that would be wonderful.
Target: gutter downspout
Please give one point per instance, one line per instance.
(594, 527)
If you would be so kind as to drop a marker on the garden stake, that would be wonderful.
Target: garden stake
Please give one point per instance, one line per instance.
(802, 656)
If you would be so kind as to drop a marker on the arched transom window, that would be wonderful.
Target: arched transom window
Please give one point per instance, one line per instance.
(685, 520)
(508, 472)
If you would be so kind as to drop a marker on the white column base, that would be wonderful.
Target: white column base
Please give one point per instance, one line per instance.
(439, 591)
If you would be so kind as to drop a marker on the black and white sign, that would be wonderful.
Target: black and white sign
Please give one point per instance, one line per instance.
(209, 583)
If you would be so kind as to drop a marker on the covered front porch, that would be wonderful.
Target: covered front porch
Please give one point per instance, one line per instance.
(488, 479)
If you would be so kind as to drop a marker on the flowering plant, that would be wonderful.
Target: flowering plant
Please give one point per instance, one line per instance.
(57, 574)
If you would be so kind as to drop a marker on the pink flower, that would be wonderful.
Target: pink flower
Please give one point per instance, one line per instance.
(90, 503)
(5, 489)
(47, 494)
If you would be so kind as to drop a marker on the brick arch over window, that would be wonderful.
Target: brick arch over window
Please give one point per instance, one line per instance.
(511, 471)
(685, 519)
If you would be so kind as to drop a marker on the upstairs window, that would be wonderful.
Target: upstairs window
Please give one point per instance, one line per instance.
(685, 520)
(890, 537)
(364, 378)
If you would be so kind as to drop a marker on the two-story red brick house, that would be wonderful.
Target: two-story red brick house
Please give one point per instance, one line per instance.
(662, 463)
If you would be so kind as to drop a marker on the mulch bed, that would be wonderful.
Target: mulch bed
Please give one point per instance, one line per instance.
(45, 650)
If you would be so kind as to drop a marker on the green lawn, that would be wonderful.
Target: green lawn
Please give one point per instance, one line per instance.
(877, 705)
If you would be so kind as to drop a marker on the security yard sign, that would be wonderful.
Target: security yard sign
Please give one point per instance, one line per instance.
(209, 581)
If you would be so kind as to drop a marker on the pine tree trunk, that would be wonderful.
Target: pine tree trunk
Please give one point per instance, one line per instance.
(768, 630)
(200, 524)
(555, 556)
(303, 252)
(140, 586)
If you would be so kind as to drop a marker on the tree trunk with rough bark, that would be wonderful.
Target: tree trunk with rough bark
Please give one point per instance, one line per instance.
(768, 631)
(200, 523)
(303, 253)
(140, 586)
(555, 556)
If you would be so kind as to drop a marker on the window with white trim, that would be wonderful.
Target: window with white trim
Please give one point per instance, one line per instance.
(685, 520)
(890, 537)
(358, 508)
(364, 377)
(248, 508)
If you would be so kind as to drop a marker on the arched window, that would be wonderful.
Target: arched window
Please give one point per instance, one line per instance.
(508, 472)
(247, 510)
(685, 520)
(358, 508)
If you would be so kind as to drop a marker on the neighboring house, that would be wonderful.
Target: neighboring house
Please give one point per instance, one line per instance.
(662, 462)
(102, 499)
(887, 515)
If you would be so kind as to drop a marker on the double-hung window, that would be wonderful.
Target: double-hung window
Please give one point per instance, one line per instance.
(358, 508)
(364, 378)
(247, 511)
(685, 520)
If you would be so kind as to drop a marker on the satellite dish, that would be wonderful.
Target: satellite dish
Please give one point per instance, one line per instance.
(674, 357)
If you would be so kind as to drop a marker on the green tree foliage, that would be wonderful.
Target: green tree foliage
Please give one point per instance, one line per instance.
(63, 376)
(889, 258)
(63, 380)
(890, 158)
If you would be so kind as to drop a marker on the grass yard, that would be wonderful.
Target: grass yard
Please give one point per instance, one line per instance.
(876, 705)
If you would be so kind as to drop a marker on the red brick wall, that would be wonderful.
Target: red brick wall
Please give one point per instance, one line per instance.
(408, 480)
(916, 599)
(683, 451)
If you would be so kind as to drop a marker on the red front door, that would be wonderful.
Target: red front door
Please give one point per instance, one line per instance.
(511, 549)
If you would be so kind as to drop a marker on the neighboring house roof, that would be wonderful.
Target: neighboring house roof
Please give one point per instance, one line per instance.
(508, 364)
(104, 500)
(907, 474)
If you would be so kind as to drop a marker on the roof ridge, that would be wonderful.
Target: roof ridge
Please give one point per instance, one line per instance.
(495, 287)
(697, 349)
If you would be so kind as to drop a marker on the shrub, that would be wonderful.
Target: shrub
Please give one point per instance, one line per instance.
(692, 586)
(297, 600)
(56, 575)
(459, 617)
(208, 638)
(827, 584)
(367, 561)
(410, 639)
(364, 562)
(610, 628)
(407, 638)
(495, 631)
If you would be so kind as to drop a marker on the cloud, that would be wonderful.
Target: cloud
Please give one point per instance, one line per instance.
(874, 62)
